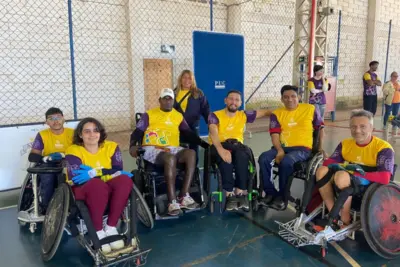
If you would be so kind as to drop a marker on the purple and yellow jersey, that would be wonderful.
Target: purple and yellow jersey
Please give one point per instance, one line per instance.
(296, 126)
(231, 127)
(47, 142)
(161, 128)
(318, 98)
(370, 90)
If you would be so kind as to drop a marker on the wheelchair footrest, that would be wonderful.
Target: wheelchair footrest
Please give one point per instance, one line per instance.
(29, 217)
(136, 257)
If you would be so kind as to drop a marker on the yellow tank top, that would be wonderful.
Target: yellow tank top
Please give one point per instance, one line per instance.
(296, 125)
(363, 155)
(180, 95)
(53, 143)
(163, 129)
(102, 159)
(230, 127)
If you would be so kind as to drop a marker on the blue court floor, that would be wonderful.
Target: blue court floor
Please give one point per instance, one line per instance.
(204, 239)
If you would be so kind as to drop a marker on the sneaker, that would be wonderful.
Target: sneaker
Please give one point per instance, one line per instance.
(106, 248)
(231, 203)
(243, 202)
(265, 201)
(110, 231)
(187, 202)
(174, 209)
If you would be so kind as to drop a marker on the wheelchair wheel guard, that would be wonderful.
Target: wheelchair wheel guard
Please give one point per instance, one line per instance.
(380, 219)
(143, 211)
(26, 196)
(54, 223)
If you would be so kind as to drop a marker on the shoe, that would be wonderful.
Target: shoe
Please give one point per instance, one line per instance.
(106, 248)
(265, 201)
(110, 231)
(231, 203)
(174, 209)
(187, 202)
(243, 202)
(278, 204)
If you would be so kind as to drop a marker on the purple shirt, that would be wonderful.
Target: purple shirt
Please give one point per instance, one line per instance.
(38, 143)
(370, 90)
(318, 98)
(143, 124)
(250, 117)
(73, 163)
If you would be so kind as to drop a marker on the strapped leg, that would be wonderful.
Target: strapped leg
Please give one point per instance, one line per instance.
(340, 201)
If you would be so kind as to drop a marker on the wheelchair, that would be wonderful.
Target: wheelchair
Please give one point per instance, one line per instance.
(303, 170)
(28, 201)
(151, 183)
(374, 210)
(394, 123)
(65, 214)
(217, 197)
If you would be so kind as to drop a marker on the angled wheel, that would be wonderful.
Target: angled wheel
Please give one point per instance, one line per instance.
(54, 222)
(26, 196)
(380, 219)
(143, 211)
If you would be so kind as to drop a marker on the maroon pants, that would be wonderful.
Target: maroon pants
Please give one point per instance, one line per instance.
(97, 194)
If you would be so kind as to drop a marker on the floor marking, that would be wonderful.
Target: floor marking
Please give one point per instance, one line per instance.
(8, 207)
(229, 250)
(345, 255)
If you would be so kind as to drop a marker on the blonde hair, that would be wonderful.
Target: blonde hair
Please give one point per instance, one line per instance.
(195, 92)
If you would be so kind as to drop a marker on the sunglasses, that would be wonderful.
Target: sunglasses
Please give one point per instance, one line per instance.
(54, 118)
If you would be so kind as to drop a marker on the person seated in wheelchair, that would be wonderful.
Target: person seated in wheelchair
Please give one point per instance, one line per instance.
(226, 129)
(95, 167)
(356, 162)
(291, 128)
(158, 133)
(48, 149)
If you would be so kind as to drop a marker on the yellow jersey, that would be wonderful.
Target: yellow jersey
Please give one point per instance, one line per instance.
(181, 95)
(48, 142)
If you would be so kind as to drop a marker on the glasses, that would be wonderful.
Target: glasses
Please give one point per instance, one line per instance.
(54, 118)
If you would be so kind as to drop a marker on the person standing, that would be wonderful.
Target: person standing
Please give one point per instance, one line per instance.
(391, 97)
(370, 81)
(318, 85)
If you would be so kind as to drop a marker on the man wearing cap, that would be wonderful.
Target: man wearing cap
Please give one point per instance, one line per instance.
(158, 133)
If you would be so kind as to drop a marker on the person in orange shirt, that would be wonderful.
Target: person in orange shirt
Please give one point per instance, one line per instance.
(391, 96)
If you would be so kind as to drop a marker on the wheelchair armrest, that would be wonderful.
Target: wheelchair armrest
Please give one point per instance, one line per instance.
(39, 170)
(140, 151)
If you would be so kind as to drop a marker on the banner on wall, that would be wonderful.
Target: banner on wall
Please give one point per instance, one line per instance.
(218, 60)
(16, 144)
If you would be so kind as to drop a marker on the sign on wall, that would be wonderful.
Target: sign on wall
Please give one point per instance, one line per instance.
(218, 60)
(16, 144)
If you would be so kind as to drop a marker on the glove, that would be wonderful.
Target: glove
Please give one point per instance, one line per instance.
(204, 144)
(85, 173)
(336, 167)
(355, 168)
(53, 157)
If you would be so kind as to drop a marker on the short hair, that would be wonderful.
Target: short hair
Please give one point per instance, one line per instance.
(289, 88)
(77, 140)
(234, 92)
(394, 72)
(362, 113)
(374, 62)
(317, 68)
(52, 111)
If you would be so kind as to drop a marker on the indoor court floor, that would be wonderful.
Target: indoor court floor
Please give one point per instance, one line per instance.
(201, 238)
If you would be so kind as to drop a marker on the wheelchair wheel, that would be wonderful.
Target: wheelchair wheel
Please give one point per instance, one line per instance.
(26, 196)
(54, 222)
(143, 211)
(380, 219)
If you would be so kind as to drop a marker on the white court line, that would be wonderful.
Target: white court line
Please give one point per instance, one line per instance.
(9, 207)
(345, 255)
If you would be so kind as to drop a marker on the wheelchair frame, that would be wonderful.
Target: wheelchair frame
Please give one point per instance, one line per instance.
(31, 215)
(218, 196)
(298, 233)
(65, 214)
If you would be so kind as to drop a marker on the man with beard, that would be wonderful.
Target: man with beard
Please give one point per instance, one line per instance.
(291, 128)
(158, 132)
(47, 150)
(226, 129)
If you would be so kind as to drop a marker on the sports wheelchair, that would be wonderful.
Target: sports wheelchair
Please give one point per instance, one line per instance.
(303, 170)
(28, 208)
(151, 183)
(211, 169)
(65, 214)
(375, 210)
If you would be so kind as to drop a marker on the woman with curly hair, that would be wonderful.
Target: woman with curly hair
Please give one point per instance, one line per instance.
(96, 171)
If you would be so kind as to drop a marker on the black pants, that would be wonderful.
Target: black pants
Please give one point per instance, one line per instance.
(240, 161)
(370, 103)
